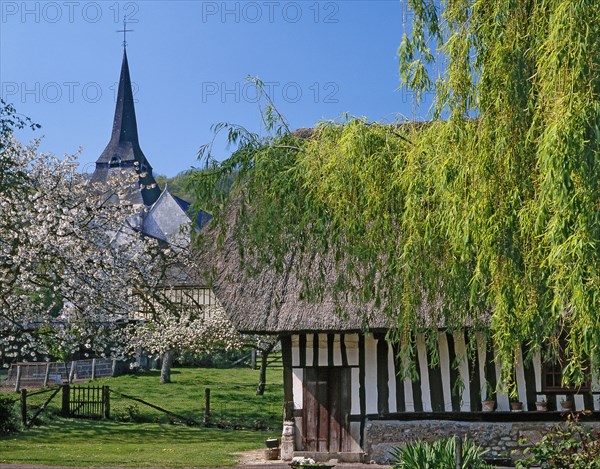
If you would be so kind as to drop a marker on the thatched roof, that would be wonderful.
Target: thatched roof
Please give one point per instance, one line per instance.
(269, 302)
(272, 302)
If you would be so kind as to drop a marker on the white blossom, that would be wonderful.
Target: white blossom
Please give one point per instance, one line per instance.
(72, 273)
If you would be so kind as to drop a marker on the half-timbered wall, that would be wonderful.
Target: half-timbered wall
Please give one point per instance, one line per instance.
(454, 383)
(196, 298)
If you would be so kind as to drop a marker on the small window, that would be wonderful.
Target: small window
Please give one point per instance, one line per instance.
(115, 161)
(552, 374)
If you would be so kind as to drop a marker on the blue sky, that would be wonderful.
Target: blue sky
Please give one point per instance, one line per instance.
(60, 62)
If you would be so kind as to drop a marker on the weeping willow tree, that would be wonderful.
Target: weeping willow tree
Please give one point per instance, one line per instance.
(486, 216)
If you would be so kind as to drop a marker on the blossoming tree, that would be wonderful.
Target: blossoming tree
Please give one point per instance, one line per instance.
(73, 271)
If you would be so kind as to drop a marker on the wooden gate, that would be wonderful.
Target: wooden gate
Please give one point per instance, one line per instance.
(86, 401)
(325, 425)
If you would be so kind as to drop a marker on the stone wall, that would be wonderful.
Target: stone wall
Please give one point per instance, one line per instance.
(502, 439)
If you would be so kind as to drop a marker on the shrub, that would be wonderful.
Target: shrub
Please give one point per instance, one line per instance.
(128, 413)
(569, 445)
(439, 454)
(9, 419)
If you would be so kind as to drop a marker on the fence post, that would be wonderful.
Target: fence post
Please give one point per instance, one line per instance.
(106, 401)
(207, 407)
(66, 397)
(18, 380)
(93, 368)
(458, 452)
(253, 359)
(72, 371)
(46, 374)
(24, 406)
(114, 367)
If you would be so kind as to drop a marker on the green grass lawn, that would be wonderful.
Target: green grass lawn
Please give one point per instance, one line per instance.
(71, 442)
(233, 399)
(156, 442)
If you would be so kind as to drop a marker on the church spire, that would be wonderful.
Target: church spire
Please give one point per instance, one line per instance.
(124, 123)
(123, 150)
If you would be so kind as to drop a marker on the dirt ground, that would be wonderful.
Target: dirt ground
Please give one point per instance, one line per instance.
(256, 460)
(251, 459)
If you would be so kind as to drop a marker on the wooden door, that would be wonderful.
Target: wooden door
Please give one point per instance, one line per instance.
(325, 425)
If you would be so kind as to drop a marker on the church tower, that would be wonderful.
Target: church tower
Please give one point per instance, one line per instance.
(123, 151)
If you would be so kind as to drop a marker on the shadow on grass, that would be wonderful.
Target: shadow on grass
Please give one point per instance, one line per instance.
(69, 442)
(151, 441)
(62, 430)
(150, 374)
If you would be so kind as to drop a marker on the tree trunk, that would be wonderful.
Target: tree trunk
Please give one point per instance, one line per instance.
(165, 370)
(262, 379)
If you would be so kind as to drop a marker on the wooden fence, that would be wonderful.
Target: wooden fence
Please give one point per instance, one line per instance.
(77, 401)
(83, 401)
(86, 401)
(35, 375)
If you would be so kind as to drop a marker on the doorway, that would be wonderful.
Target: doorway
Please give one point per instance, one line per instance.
(326, 409)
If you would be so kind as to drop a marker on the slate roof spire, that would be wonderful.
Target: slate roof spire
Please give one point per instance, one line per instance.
(123, 150)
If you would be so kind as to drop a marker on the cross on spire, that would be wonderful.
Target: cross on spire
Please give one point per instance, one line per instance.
(125, 31)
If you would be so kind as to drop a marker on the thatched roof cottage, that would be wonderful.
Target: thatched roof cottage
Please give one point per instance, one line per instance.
(345, 397)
